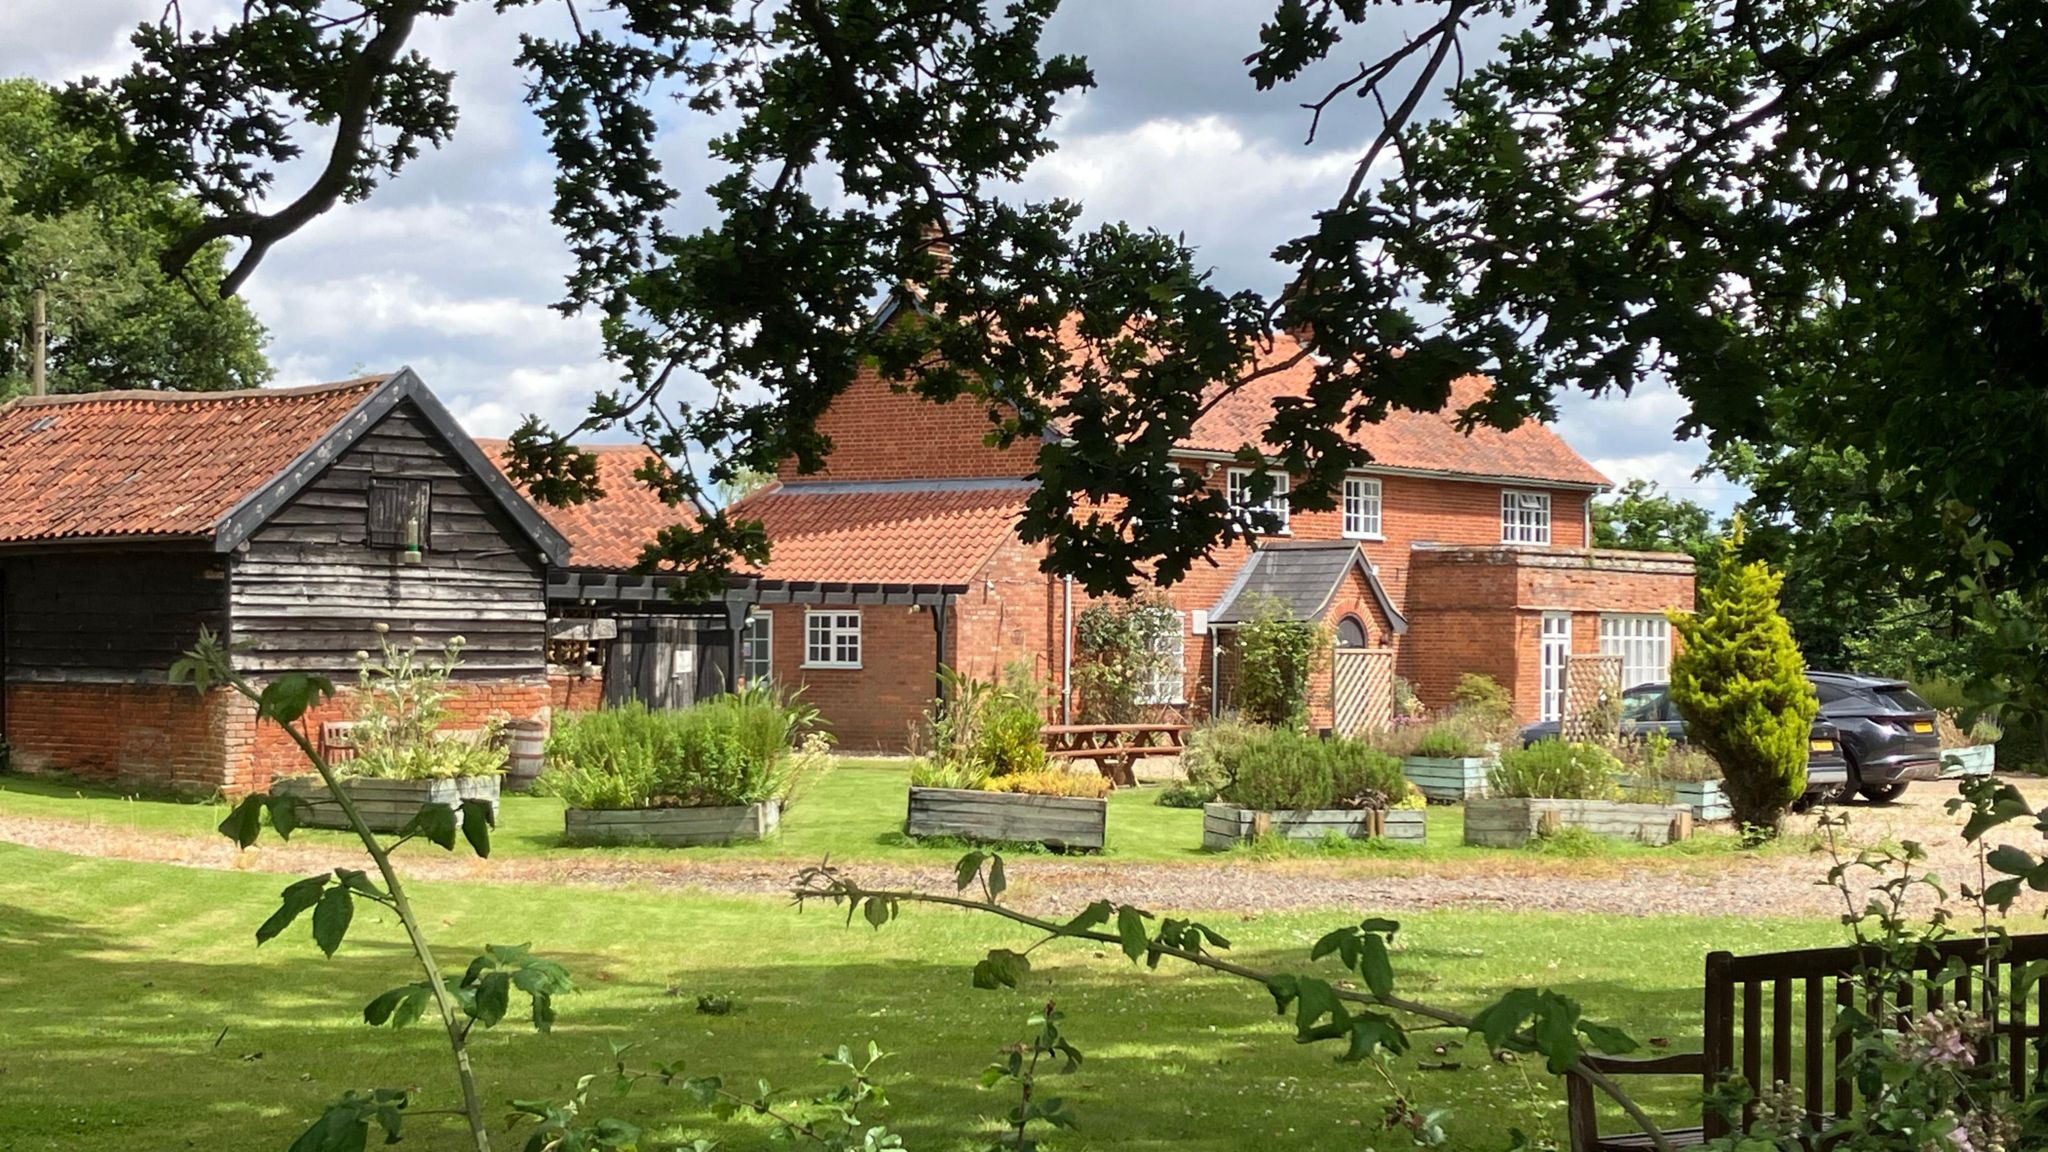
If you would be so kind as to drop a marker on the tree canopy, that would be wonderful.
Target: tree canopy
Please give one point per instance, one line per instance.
(1814, 213)
(89, 236)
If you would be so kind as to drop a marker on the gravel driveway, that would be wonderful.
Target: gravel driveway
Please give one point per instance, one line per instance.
(1782, 881)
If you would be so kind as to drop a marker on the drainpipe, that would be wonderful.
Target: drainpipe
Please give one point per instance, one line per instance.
(939, 640)
(1066, 649)
(1587, 508)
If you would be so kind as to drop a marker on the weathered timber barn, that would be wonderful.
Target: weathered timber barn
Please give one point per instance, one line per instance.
(289, 521)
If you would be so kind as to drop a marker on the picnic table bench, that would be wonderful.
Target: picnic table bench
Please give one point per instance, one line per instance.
(1789, 1000)
(1114, 748)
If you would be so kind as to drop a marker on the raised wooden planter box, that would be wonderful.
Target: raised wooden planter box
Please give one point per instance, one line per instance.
(1447, 780)
(386, 805)
(1510, 822)
(1707, 799)
(1055, 821)
(1974, 761)
(1225, 825)
(672, 827)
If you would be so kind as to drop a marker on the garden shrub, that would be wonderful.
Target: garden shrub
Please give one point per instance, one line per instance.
(1121, 647)
(1278, 656)
(1206, 756)
(1052, 782)
(401, 703)
(742, 748)
(1741, 685)
(1278, 769)
(1482, 699)
(981, 730)
(1655, 759)
(1452, 738)
(1555, 770)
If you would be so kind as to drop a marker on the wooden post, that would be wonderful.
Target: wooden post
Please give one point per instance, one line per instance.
(38, 343)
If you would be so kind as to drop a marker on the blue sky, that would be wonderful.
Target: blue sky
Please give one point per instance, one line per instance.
(452, 267)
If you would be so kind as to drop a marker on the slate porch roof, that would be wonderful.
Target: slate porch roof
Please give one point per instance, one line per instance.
(1304, 575)
(200, 467)
(884, 532)
(611, 531)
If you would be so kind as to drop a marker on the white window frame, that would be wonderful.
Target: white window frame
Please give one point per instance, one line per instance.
(1553, 657)
(764, 644)
(1240, 478)
(839, 628)
(1362, 508)
(1643, 641)
(1169, 680)
(1524, 516)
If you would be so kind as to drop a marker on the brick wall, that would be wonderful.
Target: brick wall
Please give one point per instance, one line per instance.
(575, 692)
(874, 707)
(474, 704)
(881, 434)
(156, 734)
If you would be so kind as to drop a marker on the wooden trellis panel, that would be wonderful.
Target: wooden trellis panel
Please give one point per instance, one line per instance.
(1361, 689)
(1586, 678)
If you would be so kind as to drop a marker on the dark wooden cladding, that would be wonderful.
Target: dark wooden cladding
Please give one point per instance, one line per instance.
(107, 614)
(310, 585)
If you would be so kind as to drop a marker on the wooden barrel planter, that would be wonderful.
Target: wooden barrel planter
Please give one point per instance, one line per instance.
(386, 805)
(1707, 799)
(1017, 817)
(672, 827)
(1512, 821)
(1447, 780)
(1226, 825)
(526, 753)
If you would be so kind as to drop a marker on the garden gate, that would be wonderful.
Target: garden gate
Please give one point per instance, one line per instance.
(1361, 689)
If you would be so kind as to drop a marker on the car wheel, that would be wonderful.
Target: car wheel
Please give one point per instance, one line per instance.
(1883, 793)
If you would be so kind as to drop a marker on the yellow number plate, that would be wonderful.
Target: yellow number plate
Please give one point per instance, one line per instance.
(1821, 745)
(1922, 726)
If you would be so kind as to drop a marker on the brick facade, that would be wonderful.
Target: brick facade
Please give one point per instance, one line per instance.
(878, 433)
(575, 691)
(169, 736)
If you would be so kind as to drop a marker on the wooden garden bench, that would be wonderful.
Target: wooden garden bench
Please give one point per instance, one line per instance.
(1114, 748)
(1784, 1003)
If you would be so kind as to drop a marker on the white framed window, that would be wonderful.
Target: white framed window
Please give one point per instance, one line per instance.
(832, 639)
(1554, 650)
(1361, 508)
(1167, 683)
(1643, 641)
(757, 649)
(1239, 487)
(1524, 517)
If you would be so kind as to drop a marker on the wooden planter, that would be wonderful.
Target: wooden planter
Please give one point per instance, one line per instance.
(1055, 821)
(1510, 822)
(672, 827)
(1451, 780)
(1225, 825)
(1974, 761)
(386, 805)
(1707, 799)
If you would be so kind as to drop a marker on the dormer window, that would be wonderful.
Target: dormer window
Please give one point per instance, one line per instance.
(1524, 517)
(1239, 492)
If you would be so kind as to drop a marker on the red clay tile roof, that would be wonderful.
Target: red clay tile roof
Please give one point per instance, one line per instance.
(611, 531)
(153, 464)
(883, 533)
(1428, 442)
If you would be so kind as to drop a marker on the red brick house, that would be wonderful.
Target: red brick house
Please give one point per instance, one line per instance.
(1450, 553)
(290, 522)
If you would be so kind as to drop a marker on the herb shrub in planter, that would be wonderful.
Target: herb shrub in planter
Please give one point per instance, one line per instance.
(1971, 751)
(1449, 761)
(714, 773)
(983, 774)
(1552, 785)
(1657, 771)
(401, 759)
(1278, 782)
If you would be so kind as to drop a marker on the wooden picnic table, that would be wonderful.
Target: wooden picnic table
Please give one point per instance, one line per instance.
(1114, 748)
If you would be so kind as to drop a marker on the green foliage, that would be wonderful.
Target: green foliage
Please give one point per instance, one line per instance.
(1741, 685)
(1482, 700)
(1121, 647)
(1556, 770)
(401, 709)
(1278, 657)
(88, 234)
(739, 748)
(1279, 769)
(1451, 738)
(1052, 782)
(1642, 518)
(978, 731)
(1655, 760)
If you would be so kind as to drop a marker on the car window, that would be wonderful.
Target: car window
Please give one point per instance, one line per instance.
(1904, 699)
(1643, 702)
(1831, 693)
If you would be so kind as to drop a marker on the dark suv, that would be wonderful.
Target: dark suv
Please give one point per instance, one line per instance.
(1647, 708)
(1887, 731)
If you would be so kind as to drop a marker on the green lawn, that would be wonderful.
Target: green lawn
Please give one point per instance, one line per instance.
(854, 814)
(136, 1012)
